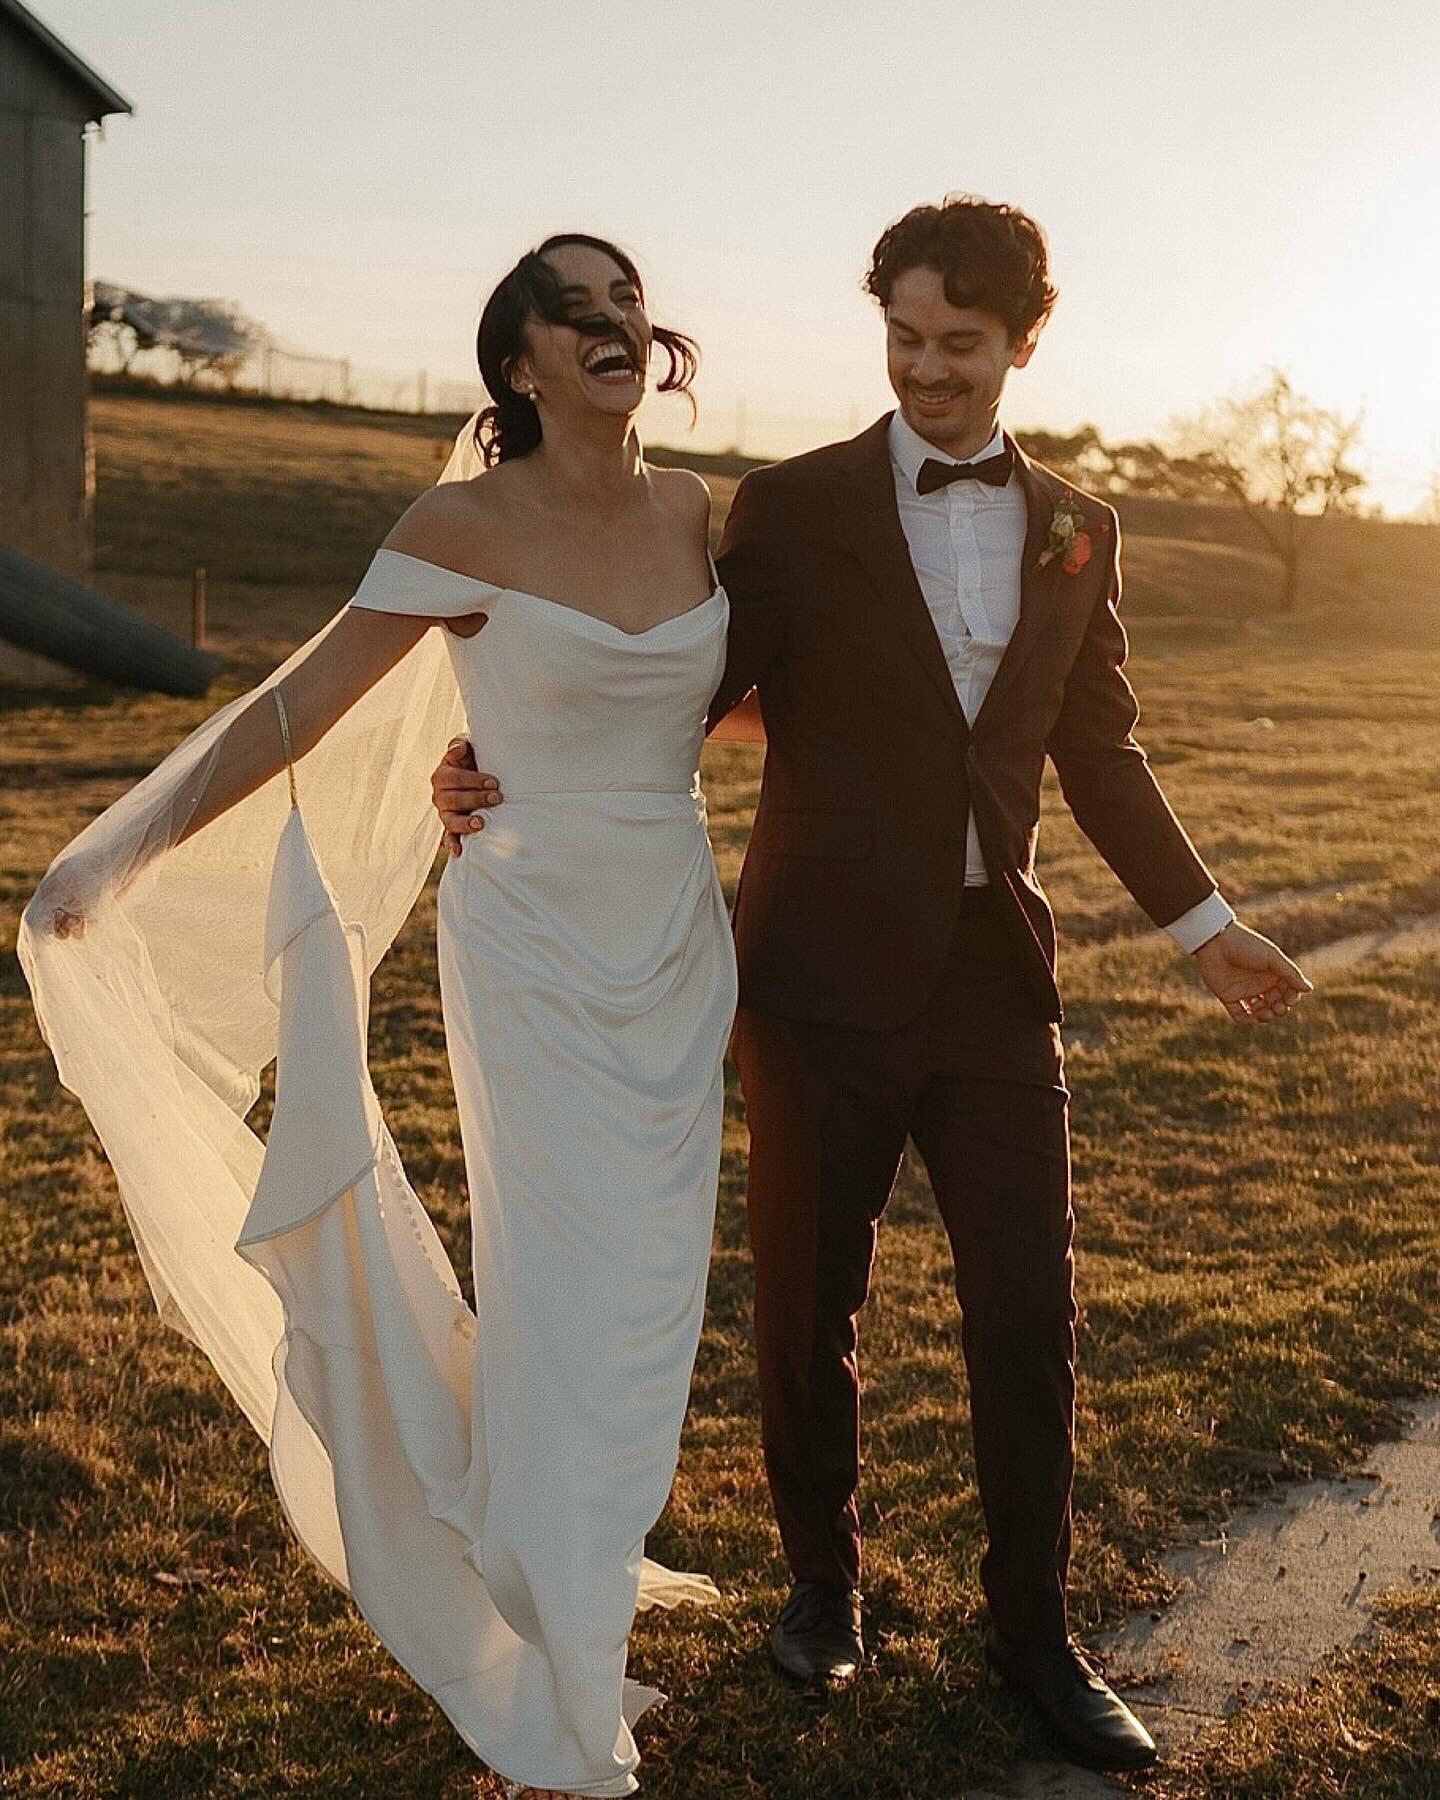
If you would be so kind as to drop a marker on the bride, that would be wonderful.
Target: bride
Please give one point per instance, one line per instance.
(482, 1482)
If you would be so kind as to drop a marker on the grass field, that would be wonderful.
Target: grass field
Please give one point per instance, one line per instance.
(1258, 1228)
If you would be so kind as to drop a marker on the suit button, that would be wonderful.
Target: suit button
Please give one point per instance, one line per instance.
(970, 753)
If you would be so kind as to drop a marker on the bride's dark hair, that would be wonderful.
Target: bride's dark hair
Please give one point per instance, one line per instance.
(532, 289)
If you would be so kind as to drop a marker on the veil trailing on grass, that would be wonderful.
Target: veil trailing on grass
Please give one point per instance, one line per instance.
(186, 960)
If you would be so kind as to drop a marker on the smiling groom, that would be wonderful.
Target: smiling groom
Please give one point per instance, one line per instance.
(927, 606)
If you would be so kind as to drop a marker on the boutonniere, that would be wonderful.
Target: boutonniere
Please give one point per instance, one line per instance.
(1068, 538)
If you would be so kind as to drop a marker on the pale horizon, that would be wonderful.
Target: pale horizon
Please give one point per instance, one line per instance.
(1222, 191)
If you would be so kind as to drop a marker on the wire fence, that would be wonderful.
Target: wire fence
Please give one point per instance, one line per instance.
(279, 374)
(274, 372)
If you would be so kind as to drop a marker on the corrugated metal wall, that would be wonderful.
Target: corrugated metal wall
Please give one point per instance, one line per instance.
(44, 462)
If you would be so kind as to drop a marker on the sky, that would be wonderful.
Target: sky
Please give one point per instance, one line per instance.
(1225, 186)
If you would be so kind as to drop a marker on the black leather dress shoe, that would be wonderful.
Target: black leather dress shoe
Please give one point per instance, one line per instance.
(1090, 1720)
(817, 1636)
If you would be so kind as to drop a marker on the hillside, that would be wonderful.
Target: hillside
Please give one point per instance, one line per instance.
(320, 486)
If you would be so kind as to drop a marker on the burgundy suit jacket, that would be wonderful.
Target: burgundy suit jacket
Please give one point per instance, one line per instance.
(851, 886)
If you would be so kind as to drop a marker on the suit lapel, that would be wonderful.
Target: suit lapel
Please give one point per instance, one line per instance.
(1039, 587)
(869, 523)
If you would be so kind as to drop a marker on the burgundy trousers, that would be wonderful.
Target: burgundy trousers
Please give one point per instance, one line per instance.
(977, 1082)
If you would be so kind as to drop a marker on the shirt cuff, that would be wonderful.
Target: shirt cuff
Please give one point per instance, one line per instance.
(1199, 925)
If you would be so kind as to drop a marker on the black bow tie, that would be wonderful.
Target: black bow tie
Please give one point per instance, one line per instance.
(994, 471)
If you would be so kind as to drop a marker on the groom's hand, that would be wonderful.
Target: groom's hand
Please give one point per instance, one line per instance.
(461, 792)
(1252, 978)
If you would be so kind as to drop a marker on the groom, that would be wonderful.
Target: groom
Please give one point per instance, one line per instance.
(926, 606)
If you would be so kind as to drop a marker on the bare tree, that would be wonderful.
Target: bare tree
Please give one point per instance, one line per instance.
(1284, 460)
(207, 337)
(212, 337)
(116, 325)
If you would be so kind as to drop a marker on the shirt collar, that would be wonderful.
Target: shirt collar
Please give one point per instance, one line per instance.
(908, 449)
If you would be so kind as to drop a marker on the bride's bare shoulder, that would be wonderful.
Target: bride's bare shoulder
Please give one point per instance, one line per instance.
(684, 491)
(452, 524)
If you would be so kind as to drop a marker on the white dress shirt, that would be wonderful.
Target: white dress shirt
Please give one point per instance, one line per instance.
(966, 542)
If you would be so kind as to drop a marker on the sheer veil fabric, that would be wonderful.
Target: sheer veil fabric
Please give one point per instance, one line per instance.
(201, 961)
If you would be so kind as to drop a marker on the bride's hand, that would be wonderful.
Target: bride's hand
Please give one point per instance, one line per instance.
(460, 793)
(65, 899)
(67, 924)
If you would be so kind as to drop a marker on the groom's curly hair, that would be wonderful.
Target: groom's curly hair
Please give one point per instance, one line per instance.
(992, 256)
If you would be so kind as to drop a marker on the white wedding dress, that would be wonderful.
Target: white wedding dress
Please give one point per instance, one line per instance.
(482, 1482)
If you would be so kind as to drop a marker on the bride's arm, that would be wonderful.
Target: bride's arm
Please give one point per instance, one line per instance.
(366, 643)
(363, 646)
(247, 750)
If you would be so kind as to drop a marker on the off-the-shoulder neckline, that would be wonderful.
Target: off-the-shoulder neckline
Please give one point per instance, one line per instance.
(577, 612)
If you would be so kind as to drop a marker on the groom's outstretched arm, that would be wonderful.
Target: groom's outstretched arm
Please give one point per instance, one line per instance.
(753, 564)
(1117, 802)
(1107, 780)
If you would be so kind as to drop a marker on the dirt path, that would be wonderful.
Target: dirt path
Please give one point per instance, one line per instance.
(1286, 1583)
(1412, 937)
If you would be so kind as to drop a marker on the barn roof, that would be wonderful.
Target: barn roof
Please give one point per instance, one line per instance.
(105, 97)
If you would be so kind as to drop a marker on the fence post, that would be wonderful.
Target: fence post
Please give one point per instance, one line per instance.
(197, 607)
(422, 391)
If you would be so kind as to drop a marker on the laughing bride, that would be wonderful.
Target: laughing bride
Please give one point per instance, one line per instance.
(482, 1482)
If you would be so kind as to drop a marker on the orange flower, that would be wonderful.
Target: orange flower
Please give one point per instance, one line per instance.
(1078, 554)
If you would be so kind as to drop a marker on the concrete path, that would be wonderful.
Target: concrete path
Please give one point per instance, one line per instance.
(1286, 1583)
(1413, 937)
